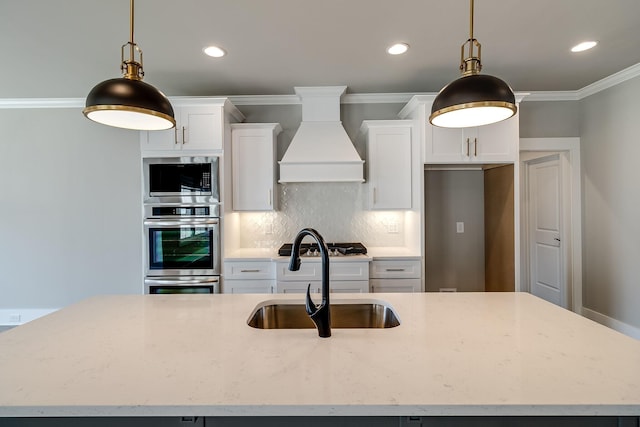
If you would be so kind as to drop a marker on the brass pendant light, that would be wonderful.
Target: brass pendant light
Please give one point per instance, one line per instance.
(473, 99)
(128, 102)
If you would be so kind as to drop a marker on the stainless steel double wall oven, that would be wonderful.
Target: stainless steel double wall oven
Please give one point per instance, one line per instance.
(182, 224)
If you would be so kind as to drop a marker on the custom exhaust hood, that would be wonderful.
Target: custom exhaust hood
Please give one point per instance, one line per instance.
(321, 150)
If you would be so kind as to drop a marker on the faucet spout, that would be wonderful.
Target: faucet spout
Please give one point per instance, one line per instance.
(320, 314)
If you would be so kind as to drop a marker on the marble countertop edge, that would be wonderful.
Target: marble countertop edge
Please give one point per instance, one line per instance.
(413, 410)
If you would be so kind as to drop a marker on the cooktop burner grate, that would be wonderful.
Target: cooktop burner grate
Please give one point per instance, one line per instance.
(335, 249)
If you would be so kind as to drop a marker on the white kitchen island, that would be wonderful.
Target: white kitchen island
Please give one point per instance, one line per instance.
(454, 354)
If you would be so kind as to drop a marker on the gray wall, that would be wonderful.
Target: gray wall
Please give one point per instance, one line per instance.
(454, 260)
(70, 209)
(545, 119)
(610, 151)
(607, 124)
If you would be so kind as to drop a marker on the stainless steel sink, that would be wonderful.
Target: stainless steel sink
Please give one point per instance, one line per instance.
(288, 314)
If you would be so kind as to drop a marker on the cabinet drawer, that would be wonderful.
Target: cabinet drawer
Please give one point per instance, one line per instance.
(396, 269)
(312, 271)
(309, 271)
(248, 270)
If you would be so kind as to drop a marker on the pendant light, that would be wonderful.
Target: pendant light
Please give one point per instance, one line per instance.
(128, 102)
(473, 99)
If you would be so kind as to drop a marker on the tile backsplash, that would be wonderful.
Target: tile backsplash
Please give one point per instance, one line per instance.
(336, 210)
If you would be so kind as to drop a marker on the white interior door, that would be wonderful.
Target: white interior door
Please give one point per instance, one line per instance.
(545, 219)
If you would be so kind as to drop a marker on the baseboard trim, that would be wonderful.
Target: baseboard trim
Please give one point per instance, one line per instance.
(19, 316)
(612, 323)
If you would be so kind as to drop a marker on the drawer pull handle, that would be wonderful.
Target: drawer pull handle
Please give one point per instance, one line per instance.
(394, 269)
(250, 271)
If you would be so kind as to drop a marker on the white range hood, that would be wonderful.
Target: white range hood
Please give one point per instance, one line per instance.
(321, 150)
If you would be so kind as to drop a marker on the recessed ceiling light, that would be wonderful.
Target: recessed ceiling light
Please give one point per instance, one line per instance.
(398, 49)
(583, 46)
(214, 51)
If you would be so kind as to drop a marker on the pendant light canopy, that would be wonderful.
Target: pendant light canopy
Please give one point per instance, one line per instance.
(128, 102)
(473, 99)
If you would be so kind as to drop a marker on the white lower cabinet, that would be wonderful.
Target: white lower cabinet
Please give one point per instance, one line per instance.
(345, 277)
(248, 286)
(248, 277)
(395, 285)
(396, 275)
(335, 286)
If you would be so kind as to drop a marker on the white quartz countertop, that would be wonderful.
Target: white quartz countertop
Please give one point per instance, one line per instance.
(453, 354)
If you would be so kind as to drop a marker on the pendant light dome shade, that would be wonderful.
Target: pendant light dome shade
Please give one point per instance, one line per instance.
(129, 104)
(473, 100)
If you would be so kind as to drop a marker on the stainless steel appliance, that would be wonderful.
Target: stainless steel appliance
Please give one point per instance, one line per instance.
(181, 180)
(182, 248)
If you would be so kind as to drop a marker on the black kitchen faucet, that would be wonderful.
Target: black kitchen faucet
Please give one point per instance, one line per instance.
(320, 314)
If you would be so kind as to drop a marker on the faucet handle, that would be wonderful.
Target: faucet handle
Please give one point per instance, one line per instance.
(309, 305)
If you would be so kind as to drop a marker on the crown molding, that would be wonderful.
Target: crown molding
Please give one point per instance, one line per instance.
(377, 98)
(560, 95)
(7, 103)
(264, 99)
(610, 81)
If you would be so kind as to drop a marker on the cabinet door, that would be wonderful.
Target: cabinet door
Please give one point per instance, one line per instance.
(443, 145)
(248, 286)
(497, 142)
(395, 285)
(297, 287)
(390, 167)
(491, 143)
(159, 140)
(197, 128)
(201, 128)
(349, 286)
(253, 156)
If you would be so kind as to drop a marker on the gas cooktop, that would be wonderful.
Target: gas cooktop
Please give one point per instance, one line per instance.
(335, 249)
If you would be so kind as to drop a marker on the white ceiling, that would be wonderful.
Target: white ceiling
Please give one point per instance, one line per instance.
(62, 48)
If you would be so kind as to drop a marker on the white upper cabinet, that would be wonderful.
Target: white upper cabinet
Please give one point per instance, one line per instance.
(198, 128)
(389, 163)
(253, 152)
(491, 143)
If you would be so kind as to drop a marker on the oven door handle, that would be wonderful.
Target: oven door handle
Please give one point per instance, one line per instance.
(179, 223)
(180, 282)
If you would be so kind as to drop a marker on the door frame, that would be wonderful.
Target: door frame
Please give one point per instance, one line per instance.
(569, 150)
